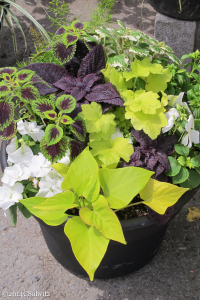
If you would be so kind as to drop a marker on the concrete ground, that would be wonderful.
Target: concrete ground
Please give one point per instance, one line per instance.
(27, 265)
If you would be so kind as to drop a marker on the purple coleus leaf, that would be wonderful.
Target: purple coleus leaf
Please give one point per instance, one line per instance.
(160, 219)
(79, 25)
(53, 134)
(78, 129)
(54, 152)
(63, 52)
(28, 93)
(6, 114)
(4, 90)
(70, 38)
(66, 103)
(24, 75)
(50, 114)
(60, 31)
(152, 154)
(9, 132)
(75, 149)
(105, 93)
(93, 62)
(41, 105)
(66, 120)
(50, 73)
(8, 70)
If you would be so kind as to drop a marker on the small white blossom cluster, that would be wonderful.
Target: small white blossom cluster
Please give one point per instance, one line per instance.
(23, 165)
(172, 115)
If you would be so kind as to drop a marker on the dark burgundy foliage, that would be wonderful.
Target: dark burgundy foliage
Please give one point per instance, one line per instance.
(71, 38)
(78, 129)
(105, 93)
(66, 103)
(79, 25)
(50, 73)
(53, 133)
(52, 115)
(8, 132)
(22, 76)
(160, 219)
(56, 151)
(28, 93)
(152, 154)
(64, 53)
(61, 30)
(6, 113)
(7, 70)
(4, 88)
(93, 62)
(42, 107)
(75, 149)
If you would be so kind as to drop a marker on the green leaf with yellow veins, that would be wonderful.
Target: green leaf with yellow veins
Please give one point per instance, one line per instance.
(95, 121)
(88, 244)
(160, 195)
(158, 82)
(103, 219)
(59, 201)
(52, 218)
(83, 167)
(121, 185)
(61, 168)
(147, 102)
(151, 124)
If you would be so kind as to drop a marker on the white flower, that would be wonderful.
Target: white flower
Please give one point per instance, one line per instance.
(192, 135)
(172, 114)
(10, 195)
(66, 159)
(116, 134)
(49, 187)
(22, 154)
(39, 165)
(12, 147)
(15, 173)
(30, 128)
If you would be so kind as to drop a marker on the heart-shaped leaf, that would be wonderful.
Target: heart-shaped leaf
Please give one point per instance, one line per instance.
(66, 103)
(53, 134)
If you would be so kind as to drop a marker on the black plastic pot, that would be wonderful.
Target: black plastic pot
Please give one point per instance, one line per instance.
(142, 236)
(190, 8)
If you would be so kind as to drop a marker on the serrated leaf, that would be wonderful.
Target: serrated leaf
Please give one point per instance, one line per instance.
(53, 134)
(175, 166)
(8, 70)
(103, 219)
(181, 176)
(78, 129)
(66, 103)
(9, 132)
(50, 114)
(66, 120)
(88, 244)
(120, 186)
(54, 152)
(28, 93)
(65, 200)
(4, 89)
(24, 75)
(70, 38)
(6, 114)
(41, 105)
(160, 195)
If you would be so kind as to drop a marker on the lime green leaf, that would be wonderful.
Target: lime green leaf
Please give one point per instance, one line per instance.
(52, 218)
(192, 181)
(175, 166)
(143, 68)
(103, 219)
(182, 160)
(66, 120)
(88, 245)
(59, 201)
(50, 114)
(98, 136)
(182, 150)
(95, 121)
(158, 82)
(66, 103)
(160, 195)
(120, 186)
(83, 167)
(62, 169)
(181, 176)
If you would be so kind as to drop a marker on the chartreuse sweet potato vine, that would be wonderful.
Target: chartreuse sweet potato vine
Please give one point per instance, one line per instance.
(139, 88)
(96, 193)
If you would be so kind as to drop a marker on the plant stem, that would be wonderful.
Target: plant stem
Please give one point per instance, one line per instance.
(16, 115)
(30, 111)
(129, 205)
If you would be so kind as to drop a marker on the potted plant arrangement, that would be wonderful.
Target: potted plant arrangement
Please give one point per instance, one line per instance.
(184, 10)
(102, 145)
